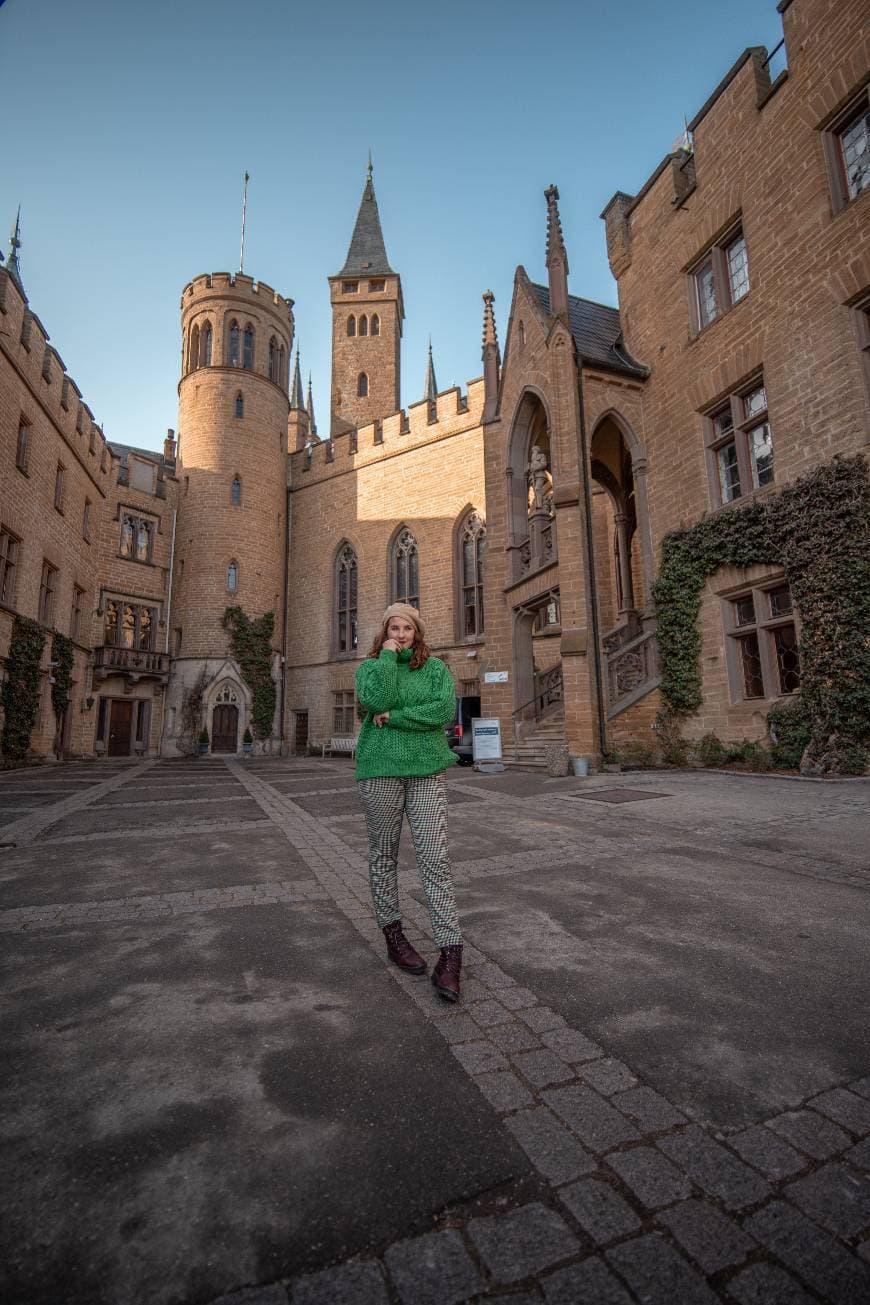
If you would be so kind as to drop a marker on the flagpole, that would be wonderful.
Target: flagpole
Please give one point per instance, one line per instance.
(244, 216)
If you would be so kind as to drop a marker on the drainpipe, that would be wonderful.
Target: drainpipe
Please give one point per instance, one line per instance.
(168, 629)
(590, 544)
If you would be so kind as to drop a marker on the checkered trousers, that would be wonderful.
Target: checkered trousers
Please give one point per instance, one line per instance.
(423, 799)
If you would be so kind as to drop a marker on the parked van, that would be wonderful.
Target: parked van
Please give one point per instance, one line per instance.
(459, 733)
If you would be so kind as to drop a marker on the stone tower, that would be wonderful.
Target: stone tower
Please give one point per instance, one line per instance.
(237, 337)
(367, 313)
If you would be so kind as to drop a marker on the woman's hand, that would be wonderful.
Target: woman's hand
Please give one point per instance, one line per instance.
(391, 645)
(381, 718)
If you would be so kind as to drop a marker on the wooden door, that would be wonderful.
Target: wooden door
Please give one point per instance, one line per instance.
(120, 721)
(225, 728)
(300, 736)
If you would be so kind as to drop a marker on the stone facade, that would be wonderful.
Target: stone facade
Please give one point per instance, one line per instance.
(739, 359)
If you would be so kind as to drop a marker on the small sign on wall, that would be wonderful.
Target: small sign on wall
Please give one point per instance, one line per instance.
(495, 677)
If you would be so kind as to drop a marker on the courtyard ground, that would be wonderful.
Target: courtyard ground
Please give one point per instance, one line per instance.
(657, 1087)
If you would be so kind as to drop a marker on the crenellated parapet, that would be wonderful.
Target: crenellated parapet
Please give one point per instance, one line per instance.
(26, 344)
(214, 303)
(454, 413)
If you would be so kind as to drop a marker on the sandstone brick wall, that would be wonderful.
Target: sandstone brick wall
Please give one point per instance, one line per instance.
(35, 387)
(759, 159)
(424, 479)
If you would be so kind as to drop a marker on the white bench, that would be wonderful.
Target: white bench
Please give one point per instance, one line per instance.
(340, 743)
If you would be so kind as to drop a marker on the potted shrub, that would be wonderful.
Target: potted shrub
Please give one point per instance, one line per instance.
(203, 741)
(247, 742)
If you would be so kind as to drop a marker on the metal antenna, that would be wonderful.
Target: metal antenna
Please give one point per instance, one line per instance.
(244, 217)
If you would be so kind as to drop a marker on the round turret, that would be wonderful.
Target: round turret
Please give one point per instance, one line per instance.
(237, 335)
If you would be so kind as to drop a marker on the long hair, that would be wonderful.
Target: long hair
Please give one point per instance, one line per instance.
(421, 653)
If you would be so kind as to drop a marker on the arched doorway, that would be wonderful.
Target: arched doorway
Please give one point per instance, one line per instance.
(529, 473)
(225, 721)
(623, 561)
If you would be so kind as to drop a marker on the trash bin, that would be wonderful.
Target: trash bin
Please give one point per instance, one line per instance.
(580, 766)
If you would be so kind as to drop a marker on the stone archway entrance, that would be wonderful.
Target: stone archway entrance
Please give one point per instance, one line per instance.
(623, 563)
(225, 721)
(537, 664)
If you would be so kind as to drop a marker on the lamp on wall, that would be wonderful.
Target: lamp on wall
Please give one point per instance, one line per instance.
(89, 702)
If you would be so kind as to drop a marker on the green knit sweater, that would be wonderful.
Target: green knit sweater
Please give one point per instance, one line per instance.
(420, 704)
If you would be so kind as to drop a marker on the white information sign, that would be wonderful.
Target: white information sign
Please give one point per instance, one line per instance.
(485, 738)
(495, 677)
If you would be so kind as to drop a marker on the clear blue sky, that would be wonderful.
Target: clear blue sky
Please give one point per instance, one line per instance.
(128, 127)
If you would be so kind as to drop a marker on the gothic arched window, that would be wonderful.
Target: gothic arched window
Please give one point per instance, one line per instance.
(282, 363)
(236, 492)
(405, 570)
(351, 325)
(521, 335)
(273, 359)
(193, 349)
(234, 356)
(240, 405)
(376, 324)
(363, 325)
(471, 539)
(205, 346)
(362, 386)
(232, 577)
(248, 348)
(345, 599)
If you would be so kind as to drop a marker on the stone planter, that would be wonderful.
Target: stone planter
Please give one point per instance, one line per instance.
(557, 759)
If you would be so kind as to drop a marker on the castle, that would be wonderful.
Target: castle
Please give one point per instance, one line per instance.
(525, 516)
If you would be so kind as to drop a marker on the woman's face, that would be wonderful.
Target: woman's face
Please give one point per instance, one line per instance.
(401, 630)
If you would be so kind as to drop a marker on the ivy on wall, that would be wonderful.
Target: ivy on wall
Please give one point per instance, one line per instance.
(21, 687)
(251, 643)
(63, 658)
(818, 530)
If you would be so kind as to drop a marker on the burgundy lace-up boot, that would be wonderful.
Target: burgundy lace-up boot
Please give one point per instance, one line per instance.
(401, 952)
(445, 976)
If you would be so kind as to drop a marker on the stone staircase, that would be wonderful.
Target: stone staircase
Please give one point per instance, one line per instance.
(531, 752)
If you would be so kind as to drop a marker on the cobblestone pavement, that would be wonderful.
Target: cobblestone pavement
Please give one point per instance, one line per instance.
(657, 1087)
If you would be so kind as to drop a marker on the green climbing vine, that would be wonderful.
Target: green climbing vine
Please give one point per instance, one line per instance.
(21, 687)
(818, 530)
(251, 643)
(63, 659)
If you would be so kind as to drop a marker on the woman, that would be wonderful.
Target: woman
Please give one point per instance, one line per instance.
(401, 757)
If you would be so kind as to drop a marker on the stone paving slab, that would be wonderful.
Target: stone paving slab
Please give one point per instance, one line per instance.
(580, 1211)
(159, 816)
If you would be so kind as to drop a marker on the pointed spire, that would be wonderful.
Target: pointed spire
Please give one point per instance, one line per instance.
(490, 335)
(296, 400)
(557, 255)
(309, 408)
(491, 358)
(367, 254)
(12, 256)
(430, 390)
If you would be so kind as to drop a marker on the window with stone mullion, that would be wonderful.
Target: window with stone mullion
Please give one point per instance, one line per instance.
(740, 445)
(763, 647)
(406, 577)
(346, 634)
(472, 544)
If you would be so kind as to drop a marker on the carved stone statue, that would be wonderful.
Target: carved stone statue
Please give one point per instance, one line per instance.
(540, 481)
(127, 538)
(142, 542)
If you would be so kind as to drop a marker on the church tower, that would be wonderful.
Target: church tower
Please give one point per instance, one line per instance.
(367, 313)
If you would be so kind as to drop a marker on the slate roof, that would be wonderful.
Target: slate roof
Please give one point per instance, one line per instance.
(367, 254)
(597, 333)
(122, 450)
